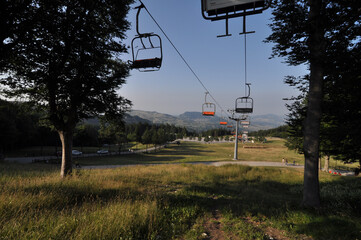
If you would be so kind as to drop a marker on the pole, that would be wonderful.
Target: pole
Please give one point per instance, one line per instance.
(236, 142)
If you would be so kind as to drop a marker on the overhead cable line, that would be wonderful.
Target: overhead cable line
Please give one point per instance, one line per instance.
(184, 60)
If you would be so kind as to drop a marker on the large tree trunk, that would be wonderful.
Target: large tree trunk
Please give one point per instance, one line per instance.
(326, 166)
(311, 191)
(66, 138)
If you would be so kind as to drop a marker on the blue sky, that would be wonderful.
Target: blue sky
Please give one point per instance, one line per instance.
(219, 62)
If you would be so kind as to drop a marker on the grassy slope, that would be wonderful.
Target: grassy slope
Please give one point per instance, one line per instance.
(274, 151)
(173, 201)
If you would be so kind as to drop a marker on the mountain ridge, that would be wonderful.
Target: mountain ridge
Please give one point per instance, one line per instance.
(197, 122)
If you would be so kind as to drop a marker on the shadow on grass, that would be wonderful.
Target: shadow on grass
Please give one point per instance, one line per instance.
(185, 148)
(171, 154)
(279, 203)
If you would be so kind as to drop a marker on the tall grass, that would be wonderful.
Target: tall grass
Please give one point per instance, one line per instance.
(171, 202)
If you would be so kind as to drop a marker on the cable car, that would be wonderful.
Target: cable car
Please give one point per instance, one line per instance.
(244, 104)
(230, 126)
(223, 123)
(208, 108)
(146, 49)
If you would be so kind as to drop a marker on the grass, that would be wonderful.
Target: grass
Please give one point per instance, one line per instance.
(171, 202)
(175, 201)
(187, 152)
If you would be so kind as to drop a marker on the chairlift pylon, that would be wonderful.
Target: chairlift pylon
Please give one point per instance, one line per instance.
(244, 104)
(144, 44)
(208, 108)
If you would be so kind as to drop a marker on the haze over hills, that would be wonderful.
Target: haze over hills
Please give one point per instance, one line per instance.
(196, 121)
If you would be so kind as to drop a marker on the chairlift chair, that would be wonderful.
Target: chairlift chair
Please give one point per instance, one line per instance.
(244, 104)
(215, 10)
(208, 108)
(223, 121)
(144, 47)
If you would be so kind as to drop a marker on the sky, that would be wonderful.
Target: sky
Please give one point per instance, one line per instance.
(218, 62)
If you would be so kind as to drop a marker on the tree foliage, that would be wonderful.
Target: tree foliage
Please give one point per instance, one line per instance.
(341, 106)
(63, 56)
(320, 34)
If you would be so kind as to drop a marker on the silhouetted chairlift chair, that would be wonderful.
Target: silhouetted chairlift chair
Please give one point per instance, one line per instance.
(208, 108)
(244, 104)
(215, 10)
(143, 45)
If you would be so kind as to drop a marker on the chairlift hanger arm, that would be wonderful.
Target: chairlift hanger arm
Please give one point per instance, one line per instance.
(138, 12)
(249, 90)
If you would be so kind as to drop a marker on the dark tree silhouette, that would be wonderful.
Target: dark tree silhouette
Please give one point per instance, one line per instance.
(63, 56)
(310, 32)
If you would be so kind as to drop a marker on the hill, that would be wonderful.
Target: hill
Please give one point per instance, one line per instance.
(196, 121)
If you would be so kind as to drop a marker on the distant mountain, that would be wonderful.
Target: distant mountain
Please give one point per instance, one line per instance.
(154, 117)
(267, 121)
(196, 121)
(135, 119)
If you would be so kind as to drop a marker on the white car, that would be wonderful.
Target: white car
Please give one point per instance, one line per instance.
(102, 151)
(76, 153)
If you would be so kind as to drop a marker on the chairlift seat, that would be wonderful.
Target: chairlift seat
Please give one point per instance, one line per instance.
(244, 110)
(208, 113)
(147, 63)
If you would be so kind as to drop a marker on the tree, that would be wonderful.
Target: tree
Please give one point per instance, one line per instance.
(147, 138)
(86, 135)
(310, 32)
(63, 56)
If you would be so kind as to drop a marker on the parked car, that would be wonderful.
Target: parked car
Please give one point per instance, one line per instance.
(102, 151)
(76, 153)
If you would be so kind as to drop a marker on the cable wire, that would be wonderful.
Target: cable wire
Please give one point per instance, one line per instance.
(184, 60)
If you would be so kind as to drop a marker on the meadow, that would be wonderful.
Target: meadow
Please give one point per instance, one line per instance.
(272, 151)
(176, 201)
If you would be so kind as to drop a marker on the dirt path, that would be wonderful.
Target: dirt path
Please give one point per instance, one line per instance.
(213, 227)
